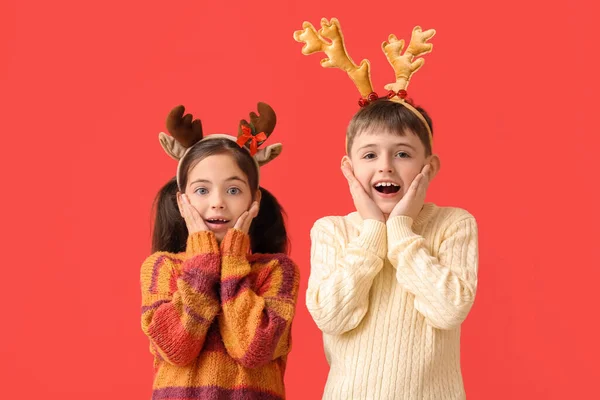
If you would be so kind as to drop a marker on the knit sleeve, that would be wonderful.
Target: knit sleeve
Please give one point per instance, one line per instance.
(342, 273)
(444, 286)
(180, 298)
(258, 302)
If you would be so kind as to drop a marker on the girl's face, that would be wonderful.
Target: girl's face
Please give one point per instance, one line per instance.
(219, 190)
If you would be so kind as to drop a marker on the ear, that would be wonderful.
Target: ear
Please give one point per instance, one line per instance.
(268, 153)
(435, 164)
(178, 197)
(258, 197)
(347, 159)
(171, 146)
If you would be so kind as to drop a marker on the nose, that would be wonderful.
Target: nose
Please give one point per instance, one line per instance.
(385, 165)
(217, 202)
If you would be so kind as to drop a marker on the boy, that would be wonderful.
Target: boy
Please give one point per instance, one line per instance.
(391, 283)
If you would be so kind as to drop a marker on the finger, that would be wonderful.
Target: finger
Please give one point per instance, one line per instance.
(347, 169)
(244, 222)
(357, 191)
(426, 170)
(347, 173)
(415, 183)
(240, 222)
(193, 217)
(188, 208)
(424, 185)
(185, 213)
(425, 179)
(247, 223)
(251, 215)
(194, 214)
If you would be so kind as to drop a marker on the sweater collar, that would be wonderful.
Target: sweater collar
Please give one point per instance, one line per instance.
(425, 214)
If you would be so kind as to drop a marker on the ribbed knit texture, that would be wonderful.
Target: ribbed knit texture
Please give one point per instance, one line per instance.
(390, 299)
(218, 319)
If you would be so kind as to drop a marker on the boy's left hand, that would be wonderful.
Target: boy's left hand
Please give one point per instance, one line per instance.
(411, 203)
(244, 221)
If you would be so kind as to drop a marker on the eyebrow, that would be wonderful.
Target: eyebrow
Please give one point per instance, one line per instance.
(395, 144)
(233, 178)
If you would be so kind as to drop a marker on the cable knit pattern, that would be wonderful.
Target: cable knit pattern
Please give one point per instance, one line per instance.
(218, 319)
(390, 299)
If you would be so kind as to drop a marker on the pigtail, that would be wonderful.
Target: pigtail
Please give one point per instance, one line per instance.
(170, 232)
(268, 234)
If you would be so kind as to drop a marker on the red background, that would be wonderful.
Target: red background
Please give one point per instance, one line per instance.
(85, 88)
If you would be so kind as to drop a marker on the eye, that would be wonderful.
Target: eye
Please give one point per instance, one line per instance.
(201, 191)
(402, 154)
(233, 191)
(369, 156)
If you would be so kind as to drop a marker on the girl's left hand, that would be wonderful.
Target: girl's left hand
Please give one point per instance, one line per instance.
(244, 221)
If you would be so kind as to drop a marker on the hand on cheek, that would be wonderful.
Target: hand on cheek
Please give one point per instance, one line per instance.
(411, 203)
(245, 220)
(193, 220)
(364, 204)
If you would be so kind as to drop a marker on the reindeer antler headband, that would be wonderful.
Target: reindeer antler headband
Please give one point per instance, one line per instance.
(186, 132)
(404, 64)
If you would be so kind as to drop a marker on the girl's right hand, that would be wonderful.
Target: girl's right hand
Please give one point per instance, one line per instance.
(193, 220)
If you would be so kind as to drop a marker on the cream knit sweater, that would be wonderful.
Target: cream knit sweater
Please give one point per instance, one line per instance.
(390, 299)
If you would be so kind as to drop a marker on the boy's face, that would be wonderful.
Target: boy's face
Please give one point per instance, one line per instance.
(385, 164)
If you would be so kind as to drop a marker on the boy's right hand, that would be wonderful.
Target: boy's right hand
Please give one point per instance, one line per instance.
(365, 205)
(193, 220)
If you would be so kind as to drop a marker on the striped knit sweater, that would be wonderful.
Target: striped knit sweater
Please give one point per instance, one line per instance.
(218, 319)
(390, 299)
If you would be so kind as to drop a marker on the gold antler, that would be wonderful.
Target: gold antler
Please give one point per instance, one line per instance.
(403, 64)
(336, 52)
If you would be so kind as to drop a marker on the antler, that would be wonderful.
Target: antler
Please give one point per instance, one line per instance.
(185, 132)
(403, 64)
(265, 122)
(336, 52)
(254, 134)
(185, 129)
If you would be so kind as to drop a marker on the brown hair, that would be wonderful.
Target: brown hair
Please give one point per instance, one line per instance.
(267, 232)
(392, 117)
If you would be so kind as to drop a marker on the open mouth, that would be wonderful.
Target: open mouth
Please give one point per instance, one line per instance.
(387, 187)
(217, 221)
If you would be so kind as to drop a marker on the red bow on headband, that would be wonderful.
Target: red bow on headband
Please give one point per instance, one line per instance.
(363, 102)
(247, 135)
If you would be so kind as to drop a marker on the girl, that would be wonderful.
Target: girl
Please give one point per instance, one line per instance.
(218, 292)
